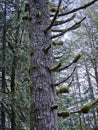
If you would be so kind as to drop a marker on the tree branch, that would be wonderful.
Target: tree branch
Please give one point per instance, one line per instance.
(54, 18)
(79, 8)
(64, 80)
(73, 27)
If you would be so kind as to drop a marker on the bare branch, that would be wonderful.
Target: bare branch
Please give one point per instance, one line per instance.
(64, 80)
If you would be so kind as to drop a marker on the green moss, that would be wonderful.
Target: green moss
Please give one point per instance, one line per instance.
(40, 88)
(55, 67)
(76, 26)
(47, 48)
(62, 90)
(27, 17)
(54, 9)
(27, 7)
(30, 85)
(39, 14)
(76, 58)
(86, 108)
(63, 114)
(57, 43)
(34, 66)
(54, 106)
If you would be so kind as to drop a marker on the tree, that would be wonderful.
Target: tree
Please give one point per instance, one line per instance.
(43, 115)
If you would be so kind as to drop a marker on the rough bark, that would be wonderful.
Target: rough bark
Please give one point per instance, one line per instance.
(42, 90)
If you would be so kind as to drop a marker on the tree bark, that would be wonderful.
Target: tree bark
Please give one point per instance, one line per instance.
(42, 90)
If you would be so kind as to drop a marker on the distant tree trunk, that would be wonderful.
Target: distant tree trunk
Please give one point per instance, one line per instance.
(91, 92)
(13, 124)
(42, 91)
(3, 69)
(81, 117)
(13, 71)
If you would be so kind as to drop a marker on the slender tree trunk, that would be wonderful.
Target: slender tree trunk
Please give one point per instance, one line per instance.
(91, 92)
(42, 91)
(3, 69)
(81, 117)
(13, 124)
(13, 71)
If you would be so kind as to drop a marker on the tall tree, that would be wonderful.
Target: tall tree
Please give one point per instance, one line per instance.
(43, 115)
(42, 90)
(3, 68)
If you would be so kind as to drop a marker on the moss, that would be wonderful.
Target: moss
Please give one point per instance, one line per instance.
(62, 90)
(27, 7)
(57, 43)
(76, 58)
(39, 14)
(54, 9)
(40, 88)
(54, 106)
(47, 48)
(85, 109)
(76, 26)
(27, 17)
(55, 67)
(30, 85)
(34, 66)
(63, 114)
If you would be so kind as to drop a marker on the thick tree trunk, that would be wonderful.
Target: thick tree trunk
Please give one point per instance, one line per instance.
(42, 90)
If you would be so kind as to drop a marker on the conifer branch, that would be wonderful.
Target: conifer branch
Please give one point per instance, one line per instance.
(60, 22)
(54, 18)
(73, 62)
(73, 27)
(64, 80)
(77, 9)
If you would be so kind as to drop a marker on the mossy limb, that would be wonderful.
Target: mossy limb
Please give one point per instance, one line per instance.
(57, 43)
(55, 67)
(86, 108)
(47, 48)
(27, 17)
(62, 90)
(27, 7)
(54, 106)
(76, 58)
(39, 14)
(64, 114)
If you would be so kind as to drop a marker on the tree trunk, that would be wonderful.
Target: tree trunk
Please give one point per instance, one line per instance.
(92, 97)
(3, 69)
(13, 71)
(42, 91)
